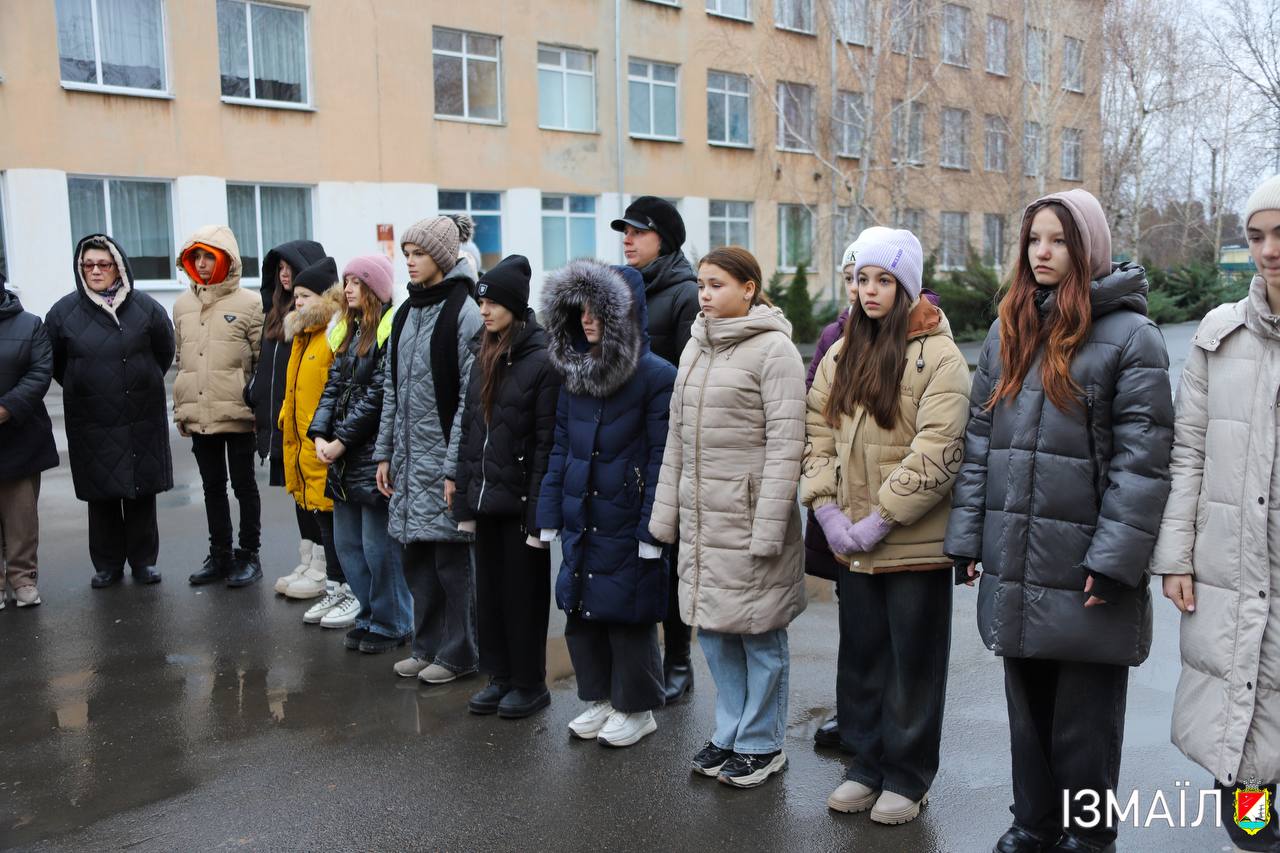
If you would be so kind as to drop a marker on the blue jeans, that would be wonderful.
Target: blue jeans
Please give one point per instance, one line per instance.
(371, 562)
(751, 672)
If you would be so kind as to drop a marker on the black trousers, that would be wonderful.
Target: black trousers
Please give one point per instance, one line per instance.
(891, 676)
(676, 636)
(1066, 730)
(123, 530)
(317, 526)
(617, 662)
(1267, 840)
(513, 602)
(217, 456)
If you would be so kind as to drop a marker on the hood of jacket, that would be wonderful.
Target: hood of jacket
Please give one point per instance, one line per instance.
(719, 332)
(10, 305)
(1258, 316)
(316, 315)
(616, 297)
(220, 237)
(1125, 289)
(1091, 222)
(122, 267)
(532, 337)
(667, 271)
(298, 254)
(927, 320)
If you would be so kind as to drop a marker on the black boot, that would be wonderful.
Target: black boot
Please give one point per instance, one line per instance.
(146, 575)
(679, 680)
(487, 700)
(216, 568)
(828, 734)
(247, 569)
(523, 701)
(105, 579)
(1019, 839)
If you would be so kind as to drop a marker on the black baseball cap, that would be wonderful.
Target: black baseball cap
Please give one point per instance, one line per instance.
(650, 213)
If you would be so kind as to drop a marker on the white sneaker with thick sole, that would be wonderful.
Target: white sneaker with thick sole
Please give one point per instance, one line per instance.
(589, 723)
(26, 596)
(622, 729)
(333, 595)
(892, 809)
(344, 613)
(304, 555)
(313, 584)
(852, 797)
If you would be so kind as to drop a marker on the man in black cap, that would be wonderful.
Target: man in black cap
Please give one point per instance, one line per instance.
(652, 234)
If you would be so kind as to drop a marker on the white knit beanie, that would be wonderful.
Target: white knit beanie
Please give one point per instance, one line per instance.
(1265, 197)
(875, 232)
(898, 252)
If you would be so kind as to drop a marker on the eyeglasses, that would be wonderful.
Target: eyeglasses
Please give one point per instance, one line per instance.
(105, 266)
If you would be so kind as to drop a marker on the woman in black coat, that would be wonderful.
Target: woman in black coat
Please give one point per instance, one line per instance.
(508, 430)
(111, 347)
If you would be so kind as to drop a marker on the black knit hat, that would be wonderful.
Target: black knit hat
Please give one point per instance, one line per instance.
(318, 277)
(650, 213)
(507, 284)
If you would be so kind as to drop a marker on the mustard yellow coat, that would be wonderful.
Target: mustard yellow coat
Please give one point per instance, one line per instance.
(304, 473)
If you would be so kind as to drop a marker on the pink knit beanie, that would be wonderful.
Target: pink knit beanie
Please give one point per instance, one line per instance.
(376, 272)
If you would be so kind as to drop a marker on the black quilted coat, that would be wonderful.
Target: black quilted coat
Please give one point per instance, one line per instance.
(350, 410)
(26, 369)
(501, 463)
(671, 294)
(111, 369)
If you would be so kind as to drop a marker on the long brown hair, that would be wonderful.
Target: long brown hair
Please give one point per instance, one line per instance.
(364, 317)
(1059, 335)
(742, 265)
(869, 365)
(495, 351)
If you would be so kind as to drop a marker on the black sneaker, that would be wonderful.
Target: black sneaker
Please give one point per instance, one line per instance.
(828, 734)
(710, 759)
(745, 770)
(247, 569)
(486, 701)
(376, 642)
(353, 638)
(215, 569)
(523, 701)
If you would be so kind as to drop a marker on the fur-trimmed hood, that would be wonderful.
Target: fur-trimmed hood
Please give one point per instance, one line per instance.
(316, 315)
(616, 296)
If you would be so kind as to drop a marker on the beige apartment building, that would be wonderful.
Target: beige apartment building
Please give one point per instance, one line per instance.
(782, 125)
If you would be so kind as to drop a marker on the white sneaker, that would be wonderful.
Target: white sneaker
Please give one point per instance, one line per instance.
(589, 723)
(410, 667)
(313, 584)
(623, 729)
(26, 596)
(304, 556)
(317, 611)
(344, 613)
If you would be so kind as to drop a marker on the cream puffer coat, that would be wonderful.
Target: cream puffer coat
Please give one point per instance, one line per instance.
(219, 330)
(907, 471)
(729, 475)
(1222, 525)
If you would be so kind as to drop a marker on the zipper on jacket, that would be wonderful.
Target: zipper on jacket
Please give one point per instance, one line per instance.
(639, 482)
(697, 488)
(1093, 446)
(751, 501)
(302, 481)
(484, 475)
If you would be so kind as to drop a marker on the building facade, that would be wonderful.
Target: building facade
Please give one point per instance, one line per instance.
(782, 125)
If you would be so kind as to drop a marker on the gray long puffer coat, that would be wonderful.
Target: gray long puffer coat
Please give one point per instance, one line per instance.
(1044, 496)
(1222, 526)
(410, 435)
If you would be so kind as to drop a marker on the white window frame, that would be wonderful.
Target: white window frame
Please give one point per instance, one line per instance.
(564, 70)
(728, 219)
(1073, 82)
(785, 91)
(651, 82)
(995, 22)
(672, 3)
(1032, 161)
(1072, 154)
(1034, 35)
(994, 255)
(912, 219)
(960, 13)
(779, 7)
(845, 123)
(853, 21)
(468, 57)
(954, 152)
(783, 266)
(995, 127)
(908, 14)
(719, 13)
(726, 95)
(473, 211)
(567, 213)
(164, 94)
(152, 284)
(914, 114)
(263, 248)
(945, 262)
(253, 100)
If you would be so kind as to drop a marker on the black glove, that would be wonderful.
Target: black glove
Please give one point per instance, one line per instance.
(961, 566)
(1106, 588)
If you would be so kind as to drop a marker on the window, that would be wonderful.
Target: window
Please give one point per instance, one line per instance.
(1072, 154)
(795, 236)
(653, 93)
(1031, 136)
(740, 9)
(1036, 40)
(850, 123)
(112, 43)
(955, 241)
(993, 246)
(1073, 65)
(794, 15)
(486, 210)
(138, 214)
(908, 139)
(730, 224)
(955, 139)
(568, 229)
(263, 217)
(996, 157)
(467, 71)
(795, 116)
(852, 16)
(912, 219)
(906, 24)
(566, 89)
(997, 45)
(728, 108)
(262, 52)
(955, 35)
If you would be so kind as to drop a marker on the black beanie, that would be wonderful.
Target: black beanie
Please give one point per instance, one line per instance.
(651, 213)
(507, 284)
(318, 277)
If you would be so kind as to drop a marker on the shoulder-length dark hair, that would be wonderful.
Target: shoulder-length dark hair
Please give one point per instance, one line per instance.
(1024, 333)
(869, 366)
(495, 358)
(364, 318)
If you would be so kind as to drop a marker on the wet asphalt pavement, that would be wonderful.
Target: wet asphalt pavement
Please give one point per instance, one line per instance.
(177, 718)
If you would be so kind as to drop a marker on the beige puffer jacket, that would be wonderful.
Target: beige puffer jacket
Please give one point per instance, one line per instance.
(1222, 525)
(907, 471)
(219, 330)
(729, 475)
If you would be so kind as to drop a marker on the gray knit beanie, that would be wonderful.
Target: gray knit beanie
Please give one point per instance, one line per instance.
(440, 237)
(1265, 197)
